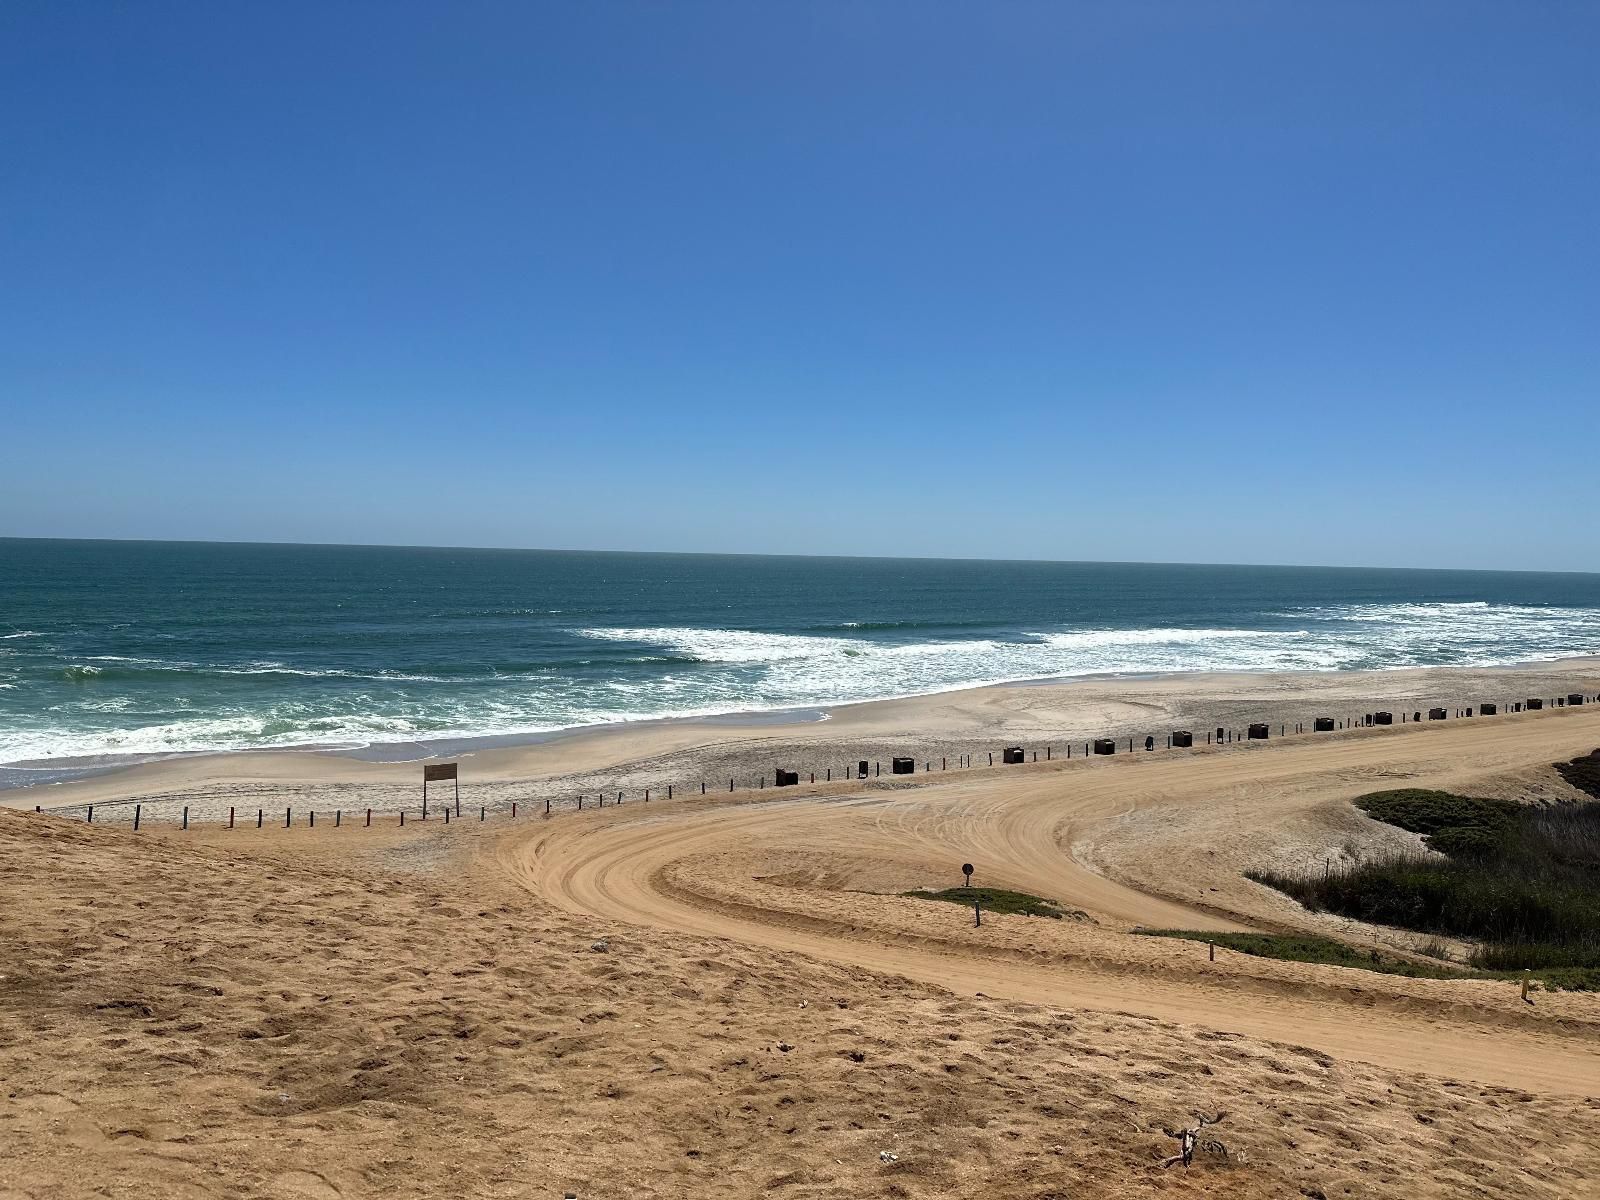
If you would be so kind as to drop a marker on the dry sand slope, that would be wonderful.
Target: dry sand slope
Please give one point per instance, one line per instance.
(420, 1013)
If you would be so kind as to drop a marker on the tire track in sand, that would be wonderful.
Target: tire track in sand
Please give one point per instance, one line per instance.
(1022, 825)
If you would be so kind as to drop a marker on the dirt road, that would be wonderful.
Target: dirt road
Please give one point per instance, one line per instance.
(1175, 829)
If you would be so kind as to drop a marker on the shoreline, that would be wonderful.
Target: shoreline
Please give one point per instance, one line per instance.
(685, 750)
(74, 768)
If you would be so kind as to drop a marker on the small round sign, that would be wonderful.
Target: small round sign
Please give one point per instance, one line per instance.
(966, 869)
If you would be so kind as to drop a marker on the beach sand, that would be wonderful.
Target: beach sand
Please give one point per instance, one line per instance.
(728, 997)
(932, 729)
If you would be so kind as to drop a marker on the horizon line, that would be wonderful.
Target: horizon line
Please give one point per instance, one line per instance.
(1084, 562)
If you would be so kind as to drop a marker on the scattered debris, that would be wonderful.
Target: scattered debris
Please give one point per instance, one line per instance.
(784, 1047)
(600, 947)
(885, 1157)
(1189, 1140)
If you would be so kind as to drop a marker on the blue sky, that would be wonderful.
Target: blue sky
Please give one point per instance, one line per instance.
(1243, 282)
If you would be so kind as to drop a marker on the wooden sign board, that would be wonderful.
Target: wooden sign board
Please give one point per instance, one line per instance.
(433, 771)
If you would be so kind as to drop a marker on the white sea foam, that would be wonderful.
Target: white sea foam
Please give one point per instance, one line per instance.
(726, 670)
(727, 645)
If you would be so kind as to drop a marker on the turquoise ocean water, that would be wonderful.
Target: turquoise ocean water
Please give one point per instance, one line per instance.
(147, 648)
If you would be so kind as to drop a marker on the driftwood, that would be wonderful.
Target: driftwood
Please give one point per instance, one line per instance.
(1189, 1140)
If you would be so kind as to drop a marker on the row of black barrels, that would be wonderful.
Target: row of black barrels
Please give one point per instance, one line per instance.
(1181, 739)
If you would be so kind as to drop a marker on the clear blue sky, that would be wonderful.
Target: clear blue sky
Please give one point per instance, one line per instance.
(1249, 282)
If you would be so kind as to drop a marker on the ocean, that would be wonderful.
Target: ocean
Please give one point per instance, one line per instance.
(141, 649)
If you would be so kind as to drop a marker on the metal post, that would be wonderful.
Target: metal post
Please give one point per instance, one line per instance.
(230, 816)
(136, 808)
(186, 816)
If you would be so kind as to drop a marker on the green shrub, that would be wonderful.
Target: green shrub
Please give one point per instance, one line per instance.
(1583, 773)
(1522, 880)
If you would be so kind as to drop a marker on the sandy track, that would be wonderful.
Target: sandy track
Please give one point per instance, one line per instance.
(688, 868)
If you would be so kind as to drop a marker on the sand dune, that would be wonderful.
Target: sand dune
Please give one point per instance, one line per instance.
(421, 1012)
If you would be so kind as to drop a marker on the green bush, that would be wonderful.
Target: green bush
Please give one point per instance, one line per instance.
(1583, 773)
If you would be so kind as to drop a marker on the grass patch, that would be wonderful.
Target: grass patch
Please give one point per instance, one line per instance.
(995, 900)
(1522, 880)
(1308, 948)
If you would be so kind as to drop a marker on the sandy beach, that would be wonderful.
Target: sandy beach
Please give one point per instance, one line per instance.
(729, 995)
(684, 754)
